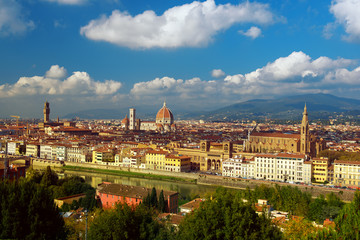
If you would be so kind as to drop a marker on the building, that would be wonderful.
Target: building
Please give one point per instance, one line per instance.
(347, 173)
(320, 169)
(232, 167)
(284, 167)
(12, 172)
(155, 159)
(177, 163)
(303, 143)
(164, 121)
(110, 193)
(33, 149)
(208, 157)
(191, 206)
(103, 155)
(46, 112)
(307, 172)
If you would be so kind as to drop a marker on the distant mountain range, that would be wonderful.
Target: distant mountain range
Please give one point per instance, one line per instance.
(320, 106)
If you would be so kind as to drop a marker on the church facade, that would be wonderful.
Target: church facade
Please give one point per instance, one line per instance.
(304, 143)
(164, 121)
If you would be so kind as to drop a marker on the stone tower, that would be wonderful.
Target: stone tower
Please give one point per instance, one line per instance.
(46, 112)
(132, 119)
(305, 136)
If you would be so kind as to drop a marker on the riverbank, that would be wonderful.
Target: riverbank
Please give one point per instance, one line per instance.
(129, 174)
(198, 179)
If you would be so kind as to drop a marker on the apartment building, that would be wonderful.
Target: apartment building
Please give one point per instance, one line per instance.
(285, 167)
(347, 173)
(320, 169)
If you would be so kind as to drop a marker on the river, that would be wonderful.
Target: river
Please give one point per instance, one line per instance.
(184, 189)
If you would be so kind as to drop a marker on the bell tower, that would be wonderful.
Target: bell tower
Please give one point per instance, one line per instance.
(46, 112)
(305, 136)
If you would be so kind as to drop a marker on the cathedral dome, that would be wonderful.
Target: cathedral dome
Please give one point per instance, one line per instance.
(125, 121)
(164, 116)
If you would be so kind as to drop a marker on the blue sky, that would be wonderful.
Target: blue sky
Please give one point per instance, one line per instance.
(90, 54)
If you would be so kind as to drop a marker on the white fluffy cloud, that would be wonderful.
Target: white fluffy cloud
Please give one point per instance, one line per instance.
(217, 73)
(295, 74)
(68, 2)
(347, 13)
(253, 32)
(78, 84)
(12, 19)
(191, 25)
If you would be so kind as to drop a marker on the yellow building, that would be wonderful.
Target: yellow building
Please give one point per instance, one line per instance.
(155, 159)
(101, 155)
(209, 156)
(320, 169)
(175, 163)
(347, 173)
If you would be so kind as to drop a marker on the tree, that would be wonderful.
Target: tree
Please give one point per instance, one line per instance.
(162, 205)
(123, 222)
(225, 216)
(28, 212)
(348, 220)
(153, 198)
(49, 178)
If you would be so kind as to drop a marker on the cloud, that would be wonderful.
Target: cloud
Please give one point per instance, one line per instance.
(296, 73)
(68, 2)
(12, 19)
(56, 72)
(346, 13)
(217, 73)
(253, 32)
(78, 84)
(189, 25)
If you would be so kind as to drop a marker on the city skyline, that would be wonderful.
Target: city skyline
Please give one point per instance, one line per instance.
(81, 54)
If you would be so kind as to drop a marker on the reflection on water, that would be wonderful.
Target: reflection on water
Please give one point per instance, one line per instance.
(184, 189)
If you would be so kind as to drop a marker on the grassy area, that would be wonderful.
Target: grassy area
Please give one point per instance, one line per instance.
(129, 174)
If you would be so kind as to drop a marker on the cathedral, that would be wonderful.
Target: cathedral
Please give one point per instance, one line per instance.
(164, 121)
(303, 143)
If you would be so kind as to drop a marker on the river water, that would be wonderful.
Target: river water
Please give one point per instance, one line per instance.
(184, 189)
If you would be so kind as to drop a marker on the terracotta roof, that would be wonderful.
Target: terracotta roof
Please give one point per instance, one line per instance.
(346, 162)
(174, 219)
(164, 113)
(194, 204)
(277, 135)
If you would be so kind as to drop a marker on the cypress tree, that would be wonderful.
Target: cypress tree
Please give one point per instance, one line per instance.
(153, 198)
(161, 201)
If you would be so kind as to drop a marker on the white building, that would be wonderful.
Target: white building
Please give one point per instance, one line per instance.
(45, 151)
(284, 167)
(307, 172)
(232, 167)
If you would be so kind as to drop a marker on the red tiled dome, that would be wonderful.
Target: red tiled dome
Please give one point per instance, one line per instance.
(164, 115)
(125, 120)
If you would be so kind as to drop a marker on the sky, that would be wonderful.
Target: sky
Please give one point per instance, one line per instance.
(195, 55)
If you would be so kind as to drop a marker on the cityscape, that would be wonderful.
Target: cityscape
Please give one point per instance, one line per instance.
(172, 120)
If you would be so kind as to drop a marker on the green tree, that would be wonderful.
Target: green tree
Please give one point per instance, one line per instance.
(348, 220)
(28, 212)
(123, 222)
(49, 178)
(153, 198)
(225, 216)
(162, 205)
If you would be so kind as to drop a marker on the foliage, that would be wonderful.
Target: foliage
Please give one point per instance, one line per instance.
(161, 205)
(348, 220)
(340, 155)
(28, 212)
(286, 198)
(321, 208)
(153, 198)
(226, 217)
(123, 222)
(298, 228)
(88, 202)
